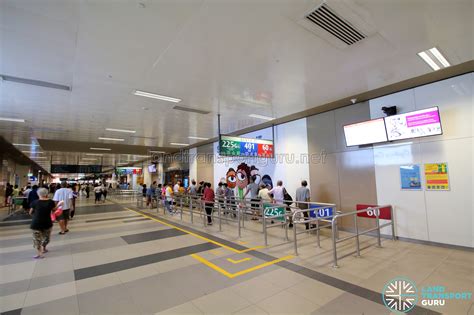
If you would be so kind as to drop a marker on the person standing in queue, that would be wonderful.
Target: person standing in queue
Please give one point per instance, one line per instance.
(208, 198)
(302, 196)
(252, 189)
(65, 195)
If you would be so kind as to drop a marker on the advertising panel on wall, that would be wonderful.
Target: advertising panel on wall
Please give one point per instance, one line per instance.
(420, 123)
(410, 177)
(365, 132)
(436, 176)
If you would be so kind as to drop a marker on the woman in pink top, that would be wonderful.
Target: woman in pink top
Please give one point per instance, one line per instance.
(208, 198)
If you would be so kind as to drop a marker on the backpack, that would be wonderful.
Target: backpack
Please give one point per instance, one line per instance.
(288, 200)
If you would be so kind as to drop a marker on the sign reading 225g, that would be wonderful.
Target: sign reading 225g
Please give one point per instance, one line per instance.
(236, 146)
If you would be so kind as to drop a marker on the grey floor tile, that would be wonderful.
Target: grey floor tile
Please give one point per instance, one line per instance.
(350, 304)
(50, 280)
(66, 306)
(14, 287)
(111, 300)
(151, 236)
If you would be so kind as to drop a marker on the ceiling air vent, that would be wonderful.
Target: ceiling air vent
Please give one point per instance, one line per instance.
(328, 20)
(191, 110)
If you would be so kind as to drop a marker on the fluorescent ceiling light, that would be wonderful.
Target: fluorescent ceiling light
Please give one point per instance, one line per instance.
(111, 139)
(101, 149)
(198, 138)
(156, 96)
(35, 82)
(157, 151)
(182, 144)
(38, 157)
(12, 119)
(37, 152)
(98, 154)
(434, 58)
(261, 117)
(440, 57)
(120, 130)
(26, 145)
(90, 159)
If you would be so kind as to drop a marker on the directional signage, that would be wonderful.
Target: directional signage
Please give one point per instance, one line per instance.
(236, 146)
(271, 211)
(319, 212)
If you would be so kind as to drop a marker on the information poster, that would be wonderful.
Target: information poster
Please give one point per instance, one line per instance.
(421, 123)
(436, 176)
(410, 177)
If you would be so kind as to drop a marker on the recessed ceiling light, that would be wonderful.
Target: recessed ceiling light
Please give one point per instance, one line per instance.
(111, 139)
(101, 149)
(98, 154)
(198, 138)
(120, 130)
(36, 152)
(156, 96)
(261, 117)
(434, 58)
(181, 144)
(12, 119)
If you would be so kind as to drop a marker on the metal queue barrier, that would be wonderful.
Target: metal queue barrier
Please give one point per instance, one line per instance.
(372, 212)
(315, 214)
(126, 195)
(274, 212)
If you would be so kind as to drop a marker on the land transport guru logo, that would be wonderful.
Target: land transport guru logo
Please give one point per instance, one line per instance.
(400, 295)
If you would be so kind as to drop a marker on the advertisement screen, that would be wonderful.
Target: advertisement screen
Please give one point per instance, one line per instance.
(366, 132)
(152, 168)
(421, 123)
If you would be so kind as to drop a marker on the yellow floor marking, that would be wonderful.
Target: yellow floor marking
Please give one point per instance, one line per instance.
(238, 261)
(242, 242)
(215, 252)
(197, 235)
(240, 273)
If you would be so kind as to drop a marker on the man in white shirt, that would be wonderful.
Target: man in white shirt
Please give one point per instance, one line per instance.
(65, 195)
(278, 193)
(176, 187)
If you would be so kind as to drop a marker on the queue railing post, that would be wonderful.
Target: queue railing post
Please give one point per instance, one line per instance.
(264, 225)
(238, 220)
(393, 225)
(356, 227)
(219, 212)
(333, 228)
(181, 207)
(191, 212)
(318, 234)
(377, 223)
(295, 238)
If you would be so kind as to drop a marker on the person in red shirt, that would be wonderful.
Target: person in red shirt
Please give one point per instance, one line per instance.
(208, 198)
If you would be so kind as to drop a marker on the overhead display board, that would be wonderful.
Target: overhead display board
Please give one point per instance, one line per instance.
(420, 123)
(236, 146)
(68, 168)
(366, 132)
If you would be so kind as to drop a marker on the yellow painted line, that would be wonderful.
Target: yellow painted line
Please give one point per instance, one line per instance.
(242, 242)
(215, 252)
(238, 261)
(197, 235)
(240, 273)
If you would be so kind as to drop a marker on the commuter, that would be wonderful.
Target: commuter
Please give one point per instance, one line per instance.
(181, 188)
(192, 189)
(303, 194)
(41, 223)
(157, 196)
(208, 198)
(220, 194)
(176, 187)
(104, 192)
(98, 193)
(263, 194)
(33, 195)
(169, 198)
(8, 194)
(87, 189)
(252, 189)
(150, 193)
(278, 193)
(144, 189)
(16, 191)
(75, 194)
(201, 187)
(230, 198)
(65, 195)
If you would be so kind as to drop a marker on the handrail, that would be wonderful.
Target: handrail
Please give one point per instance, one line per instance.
(357, 233)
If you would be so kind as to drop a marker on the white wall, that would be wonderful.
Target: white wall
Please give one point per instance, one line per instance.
(193, 164)
(438, 216)
(291, 146)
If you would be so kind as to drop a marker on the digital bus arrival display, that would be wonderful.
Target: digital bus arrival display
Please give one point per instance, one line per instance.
(236, 146)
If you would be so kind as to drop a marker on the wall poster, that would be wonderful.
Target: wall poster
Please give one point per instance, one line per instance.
(436, 176)
(410, 177)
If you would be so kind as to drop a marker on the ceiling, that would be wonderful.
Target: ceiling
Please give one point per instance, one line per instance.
(233, 57)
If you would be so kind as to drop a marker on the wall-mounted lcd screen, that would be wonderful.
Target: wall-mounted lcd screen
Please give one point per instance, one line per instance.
(152, 168)
(236, 146)
(366, 132)
(420, 123)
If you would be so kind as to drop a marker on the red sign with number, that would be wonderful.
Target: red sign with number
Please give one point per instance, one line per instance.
(384, 213)
(265, 150)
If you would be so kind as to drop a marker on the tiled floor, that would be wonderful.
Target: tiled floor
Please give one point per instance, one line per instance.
(117, 261)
